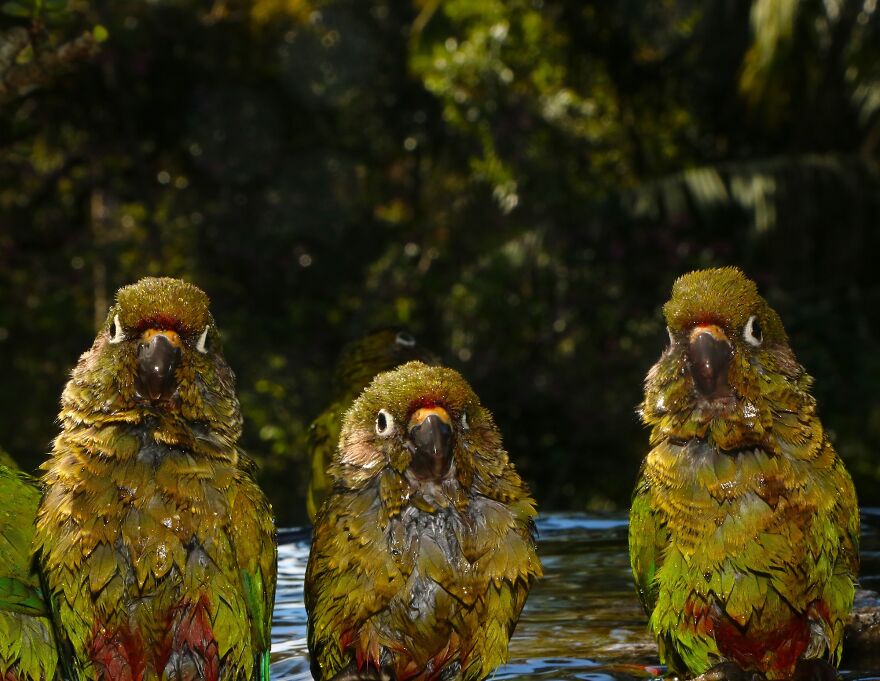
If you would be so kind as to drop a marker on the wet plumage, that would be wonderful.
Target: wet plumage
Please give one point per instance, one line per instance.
(360, 362)
(27, 643)
(425, 551)
(157, 547)
(744, 525)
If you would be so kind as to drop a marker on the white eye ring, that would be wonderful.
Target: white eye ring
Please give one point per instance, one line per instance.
(200, 346)
(384, 423)
(752, 332)
(116, 334)
(671, 337)
(405, 339)
(464, 422)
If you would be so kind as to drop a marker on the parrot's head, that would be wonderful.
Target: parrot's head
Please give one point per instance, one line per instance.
(378, 351)
(158, 353)
(727, 366)
(427, 425)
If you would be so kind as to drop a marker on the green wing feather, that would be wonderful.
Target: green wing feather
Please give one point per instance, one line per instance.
(257, 554)
(842, 544)
(343, 564)
(646, 541)
(27, 643)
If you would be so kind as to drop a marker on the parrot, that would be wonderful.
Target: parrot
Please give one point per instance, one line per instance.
(425, 551)
(28, 651)
(744, 525)
(359, 363)
(157, 547)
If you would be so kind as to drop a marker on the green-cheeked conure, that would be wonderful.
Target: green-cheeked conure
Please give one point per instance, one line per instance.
(744, 524)
(27, 643)
(424, 553)
(360, 362)
(157, 547)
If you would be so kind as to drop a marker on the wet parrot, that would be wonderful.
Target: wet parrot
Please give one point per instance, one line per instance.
(27, 643)
(157, 547)
(424, 553)
(360, 362)
(744, 524)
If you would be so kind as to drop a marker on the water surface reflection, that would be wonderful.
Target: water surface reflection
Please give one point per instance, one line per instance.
(583, 621)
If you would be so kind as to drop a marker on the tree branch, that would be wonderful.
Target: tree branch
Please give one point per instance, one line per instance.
(18, 79)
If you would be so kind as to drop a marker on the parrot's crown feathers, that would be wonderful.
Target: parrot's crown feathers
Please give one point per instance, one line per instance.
(722, 296)
(163, 302)
(415, 384)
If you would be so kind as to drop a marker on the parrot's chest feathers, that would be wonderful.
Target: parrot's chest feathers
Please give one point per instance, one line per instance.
(156, 506)
(421, 537)
(715, 503)
(432, 558)
(436, 551)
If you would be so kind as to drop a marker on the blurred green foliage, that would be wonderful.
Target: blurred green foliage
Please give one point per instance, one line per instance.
(518, 182)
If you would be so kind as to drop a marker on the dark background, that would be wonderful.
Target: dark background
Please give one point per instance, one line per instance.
(518, 182)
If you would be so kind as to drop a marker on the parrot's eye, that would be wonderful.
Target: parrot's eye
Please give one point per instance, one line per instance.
(752, 332)
(200, 346)
(405, 339)
(464, 422)
(384, 424)
(116, 333)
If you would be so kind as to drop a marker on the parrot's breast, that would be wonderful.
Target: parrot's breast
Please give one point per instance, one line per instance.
(422, 614)
(136, 550)
(435, 618)
(748, 562)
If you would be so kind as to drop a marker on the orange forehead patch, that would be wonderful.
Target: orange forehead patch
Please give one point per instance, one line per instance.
(421, 414)
(712, 329)
(170, 334)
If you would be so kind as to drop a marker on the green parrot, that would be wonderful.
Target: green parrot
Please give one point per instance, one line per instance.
(424, 553)
(744, 524)
(27, 643)
(157, 547)
(361, 361)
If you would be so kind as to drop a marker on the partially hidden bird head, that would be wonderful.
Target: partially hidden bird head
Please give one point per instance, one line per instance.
(728, 366)
(157, 354)
(379, 350)
(425, 425)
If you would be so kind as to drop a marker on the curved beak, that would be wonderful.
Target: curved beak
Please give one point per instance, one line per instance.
(430, 436)
(709, 355)
(157, 357)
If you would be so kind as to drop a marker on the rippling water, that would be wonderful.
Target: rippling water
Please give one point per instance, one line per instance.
(582, 621)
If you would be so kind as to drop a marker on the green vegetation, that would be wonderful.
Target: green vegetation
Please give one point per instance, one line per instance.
(518, 182)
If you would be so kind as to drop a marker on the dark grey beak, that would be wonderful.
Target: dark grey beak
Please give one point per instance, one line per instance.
(709, 358)
(157, 359)
(432, 447)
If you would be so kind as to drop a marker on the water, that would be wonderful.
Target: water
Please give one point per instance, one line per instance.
(582, 621)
